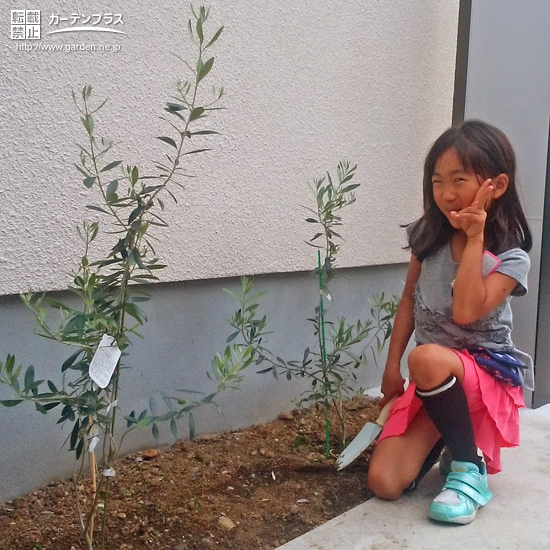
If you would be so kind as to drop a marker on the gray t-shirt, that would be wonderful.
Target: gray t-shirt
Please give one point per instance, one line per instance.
(434, 301)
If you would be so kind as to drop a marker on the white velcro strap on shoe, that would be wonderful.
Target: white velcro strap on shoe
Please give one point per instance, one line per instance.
(468, 485)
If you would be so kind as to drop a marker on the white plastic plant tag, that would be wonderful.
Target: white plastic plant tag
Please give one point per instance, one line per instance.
(110, 472)
(111, 406)
(325, 294)
(104, 361)
(93, 444)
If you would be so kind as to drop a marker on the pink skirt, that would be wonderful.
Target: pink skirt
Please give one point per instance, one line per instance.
(493, 405)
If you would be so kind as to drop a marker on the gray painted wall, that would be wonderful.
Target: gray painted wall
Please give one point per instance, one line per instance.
(186, 328)
(508, 85)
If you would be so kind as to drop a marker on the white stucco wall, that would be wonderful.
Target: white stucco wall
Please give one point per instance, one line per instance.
(308, 83)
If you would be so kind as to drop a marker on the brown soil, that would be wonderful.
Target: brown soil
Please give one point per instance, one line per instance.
(249, 489)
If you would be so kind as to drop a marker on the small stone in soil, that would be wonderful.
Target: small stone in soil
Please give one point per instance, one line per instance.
(149, 454)
(226, 524)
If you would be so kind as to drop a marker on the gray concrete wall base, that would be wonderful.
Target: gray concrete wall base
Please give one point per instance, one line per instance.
(186, 327)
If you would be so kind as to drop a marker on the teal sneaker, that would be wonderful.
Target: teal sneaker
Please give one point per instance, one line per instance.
(465, 490)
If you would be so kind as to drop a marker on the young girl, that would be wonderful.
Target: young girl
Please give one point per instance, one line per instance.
(456, 303)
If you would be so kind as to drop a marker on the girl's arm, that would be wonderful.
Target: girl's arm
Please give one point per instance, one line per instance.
(403, 326)
(474, 296)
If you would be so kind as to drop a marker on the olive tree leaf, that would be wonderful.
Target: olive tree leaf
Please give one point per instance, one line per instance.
(168, 140)
(111, 165)
(196, 113)
(205, 69)
(214, 38)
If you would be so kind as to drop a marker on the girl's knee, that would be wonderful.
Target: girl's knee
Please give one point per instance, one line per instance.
(432, 364)
(424, 358)
(424, 354)
(383, 490)
(383, 485)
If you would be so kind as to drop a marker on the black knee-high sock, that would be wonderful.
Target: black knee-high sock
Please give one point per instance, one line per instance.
(429, 461)
(447, 408)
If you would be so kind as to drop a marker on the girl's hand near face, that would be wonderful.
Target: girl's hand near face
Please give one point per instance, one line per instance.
(472, 218)
(474, 295)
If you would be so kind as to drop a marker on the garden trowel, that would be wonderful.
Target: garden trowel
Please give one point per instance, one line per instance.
(369, 432)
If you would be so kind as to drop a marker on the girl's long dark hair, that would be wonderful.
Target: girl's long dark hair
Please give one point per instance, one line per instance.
(484, 150)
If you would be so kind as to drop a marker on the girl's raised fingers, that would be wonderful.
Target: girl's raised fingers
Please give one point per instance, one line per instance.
(483, 194)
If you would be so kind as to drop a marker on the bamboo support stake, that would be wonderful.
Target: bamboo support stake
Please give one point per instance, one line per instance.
(93, 471)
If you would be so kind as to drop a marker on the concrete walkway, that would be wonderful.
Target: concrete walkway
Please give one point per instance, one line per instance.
(518, 516)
